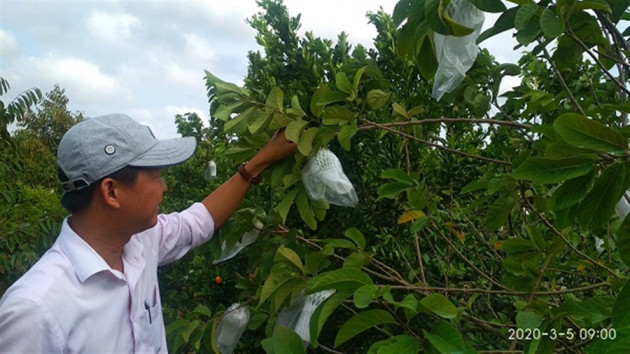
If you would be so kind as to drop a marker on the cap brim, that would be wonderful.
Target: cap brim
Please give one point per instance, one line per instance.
(167, 153)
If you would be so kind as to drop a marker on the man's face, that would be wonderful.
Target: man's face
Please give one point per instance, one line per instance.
(141, 200)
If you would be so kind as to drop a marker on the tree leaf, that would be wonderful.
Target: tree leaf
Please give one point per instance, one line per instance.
(275, 280)
(260, 123)
(283, 341)
(524, 15)
(571, 192)
(377, 98)
(340, 279)
(285, 205)
(304, 209)
(550, 24)
(439, 305)
(391, 190)
(315, 107)
(357, 78)
(305, 143)
(324, 311)
(334, 115)
(402, 344)
(547, 171)
(294, 129)
(410, 215)
(499, 212)
(342, 82)
(489, 5)
(623, 241)
(599, 204)
(398, 175)
(291, 256)
(356, 236)
(621, 309)
(364, 295)
(445, 338)
(345, 135)
(361, 322)
(275, 99)
(582, 132)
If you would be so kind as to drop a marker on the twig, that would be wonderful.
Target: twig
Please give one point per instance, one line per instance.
(425, 289)
(419, 255)
(449, 121)
(411, 137)
(606, 72)
(563, 83)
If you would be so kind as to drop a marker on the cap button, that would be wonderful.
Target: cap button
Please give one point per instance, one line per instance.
(110, 149)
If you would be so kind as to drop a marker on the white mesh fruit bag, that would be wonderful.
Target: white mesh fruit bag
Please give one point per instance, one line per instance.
(324, 179)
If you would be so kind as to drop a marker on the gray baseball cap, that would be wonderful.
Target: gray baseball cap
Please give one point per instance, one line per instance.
(97, 147)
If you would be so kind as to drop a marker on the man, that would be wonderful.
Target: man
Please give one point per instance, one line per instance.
(96, 289)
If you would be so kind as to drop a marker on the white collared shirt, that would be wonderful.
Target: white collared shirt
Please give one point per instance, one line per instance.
(71, 301)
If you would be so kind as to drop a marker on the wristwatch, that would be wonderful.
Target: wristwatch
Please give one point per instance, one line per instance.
(253, 180)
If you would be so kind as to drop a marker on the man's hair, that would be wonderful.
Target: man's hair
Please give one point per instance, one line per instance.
(76, 201)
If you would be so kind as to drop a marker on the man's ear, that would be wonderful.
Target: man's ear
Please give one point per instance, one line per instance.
(110, 193)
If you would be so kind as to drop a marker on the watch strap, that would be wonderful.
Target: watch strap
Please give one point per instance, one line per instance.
(254, 180)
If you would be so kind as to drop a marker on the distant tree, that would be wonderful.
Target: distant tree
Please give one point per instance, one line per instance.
(17, 108)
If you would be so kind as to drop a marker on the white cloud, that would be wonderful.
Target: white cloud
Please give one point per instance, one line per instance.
(8, 44)
(82, 80)
(112, 27)
(198, 48)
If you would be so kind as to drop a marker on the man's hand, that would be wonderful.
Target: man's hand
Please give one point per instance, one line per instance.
(277, 148)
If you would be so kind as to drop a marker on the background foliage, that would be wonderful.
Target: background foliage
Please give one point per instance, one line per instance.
(480, 215)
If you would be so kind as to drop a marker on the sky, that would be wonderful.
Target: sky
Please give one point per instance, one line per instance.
(147, 58)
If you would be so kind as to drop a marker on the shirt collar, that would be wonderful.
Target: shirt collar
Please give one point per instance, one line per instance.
(84, 259)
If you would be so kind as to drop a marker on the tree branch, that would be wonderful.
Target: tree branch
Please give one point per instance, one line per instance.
(411, 137)
(449, 121)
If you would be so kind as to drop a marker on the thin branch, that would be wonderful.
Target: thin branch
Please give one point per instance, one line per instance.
(573, 248)
(450, 121)
(411, 137)
(424, 290)
(469, 262)
(606, 72)
(419, 255)
(562, 82)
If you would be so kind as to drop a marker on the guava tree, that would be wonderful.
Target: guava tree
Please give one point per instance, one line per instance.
(486, 220)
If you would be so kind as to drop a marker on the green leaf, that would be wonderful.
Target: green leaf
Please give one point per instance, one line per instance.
(489, 5)
(503, 23)
(276, 279)
(291, 256)
(334, 115)
(402, 344)
(285, 205)
(283, 341)
(524, 15)
(391, 190)
(340, 279)
(315, 107)
(355, 236)
(361, 322)
(623, 241)
(364, 295)
(426, 62)
(260, 123)
(582, 132)
(621, 309)
(399, 109)
(398, 175)
(445, 338)
(304, 209)
(599, 204)
(439, 305)
(571, 192)
(499, 212)
(305, 143)
(357, 78)
(528, 319)
(345, 135)
(342, 82)
(550, 24)
(294, 129)
(275, 99)
(296, 109)
(600, 5)
(377, 98)
(548, 171)
(324, 311)
(238, 124)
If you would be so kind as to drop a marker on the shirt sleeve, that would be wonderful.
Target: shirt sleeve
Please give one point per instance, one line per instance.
(26, 327)
(179, 232)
